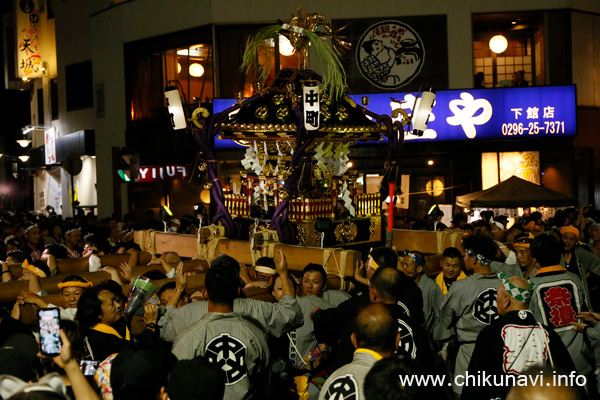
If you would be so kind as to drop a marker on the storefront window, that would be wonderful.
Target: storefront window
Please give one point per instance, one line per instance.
(522, 63)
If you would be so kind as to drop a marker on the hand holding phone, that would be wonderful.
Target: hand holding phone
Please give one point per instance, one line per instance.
(50, 343)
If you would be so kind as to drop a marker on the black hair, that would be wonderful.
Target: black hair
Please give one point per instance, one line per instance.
(385, 257)
(312, 267)
(163, 288)
(467, 227)
(99, 242)
(43, 266)
(222, 284)
(546, 250)
(486, 215)
(452, 252)
(266, 262)
(482, 224)
(89, 307)
(139, 371)
(480, 244)
(155, 275)
(388, 283)
(18, 256)
(74, 278)
(114, 288)
(226, 261)
(58, 251)
(460, 217)
(382, 383)
(376, 328)
(167, 286)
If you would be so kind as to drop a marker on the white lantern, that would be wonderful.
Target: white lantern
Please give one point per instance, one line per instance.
(285, 46)
(196, 70)
(498, 44)
(423, 112)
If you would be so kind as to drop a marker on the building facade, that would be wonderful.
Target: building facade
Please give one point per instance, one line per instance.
(135, 49)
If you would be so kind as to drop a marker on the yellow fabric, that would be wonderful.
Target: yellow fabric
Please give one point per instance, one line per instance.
(34, 270)
(371, 352)
(569, 229)
(554, 268)
(442, 284)
(111, 331)
(75, 284)
(373, 264)
(301, 383)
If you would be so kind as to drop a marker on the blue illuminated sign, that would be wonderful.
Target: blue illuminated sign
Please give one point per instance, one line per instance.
(506, 113)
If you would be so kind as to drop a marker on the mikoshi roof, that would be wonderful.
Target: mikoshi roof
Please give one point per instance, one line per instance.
(512, 193)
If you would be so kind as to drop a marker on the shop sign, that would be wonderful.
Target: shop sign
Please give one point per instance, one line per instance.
(390, 54)
(507, 113)
(475, 114)
(50, 146)
(160, 172)
(29, 56)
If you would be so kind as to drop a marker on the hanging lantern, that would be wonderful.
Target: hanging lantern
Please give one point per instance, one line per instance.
(498, 44)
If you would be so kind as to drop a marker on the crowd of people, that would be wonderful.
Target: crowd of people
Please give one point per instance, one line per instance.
(512, 301)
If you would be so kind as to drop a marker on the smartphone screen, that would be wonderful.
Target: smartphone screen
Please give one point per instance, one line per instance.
(50, 343)
(88, 367)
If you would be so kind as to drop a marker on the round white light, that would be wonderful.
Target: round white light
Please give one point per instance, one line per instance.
(430, 162)
(434, 187)
(349, 164)
(23, 142)
(24, 158)
(285, 47)
(196, 70)
(498, 44)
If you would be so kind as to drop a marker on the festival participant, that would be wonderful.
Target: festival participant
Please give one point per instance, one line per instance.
(470, 304)
(275, 319)
(375, 336)
(33, 246)
(509, 346)
(71, 289)
(558, 298)
(264, 270)
(329, 324)
(522, 244)
(414, 264)
(579, 260)
(100, 317)
(386, 286)
(314, 282)
(140, 372)
(451, 269)
(227, 339)
(299, 348)
(72, 241)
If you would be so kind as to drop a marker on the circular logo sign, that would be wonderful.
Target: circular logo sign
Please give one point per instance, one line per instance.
(390, 54)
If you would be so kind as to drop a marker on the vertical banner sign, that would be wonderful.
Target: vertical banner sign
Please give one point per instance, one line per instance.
(50, 146)
(29, 56)
(402, 201)
(312, 108)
